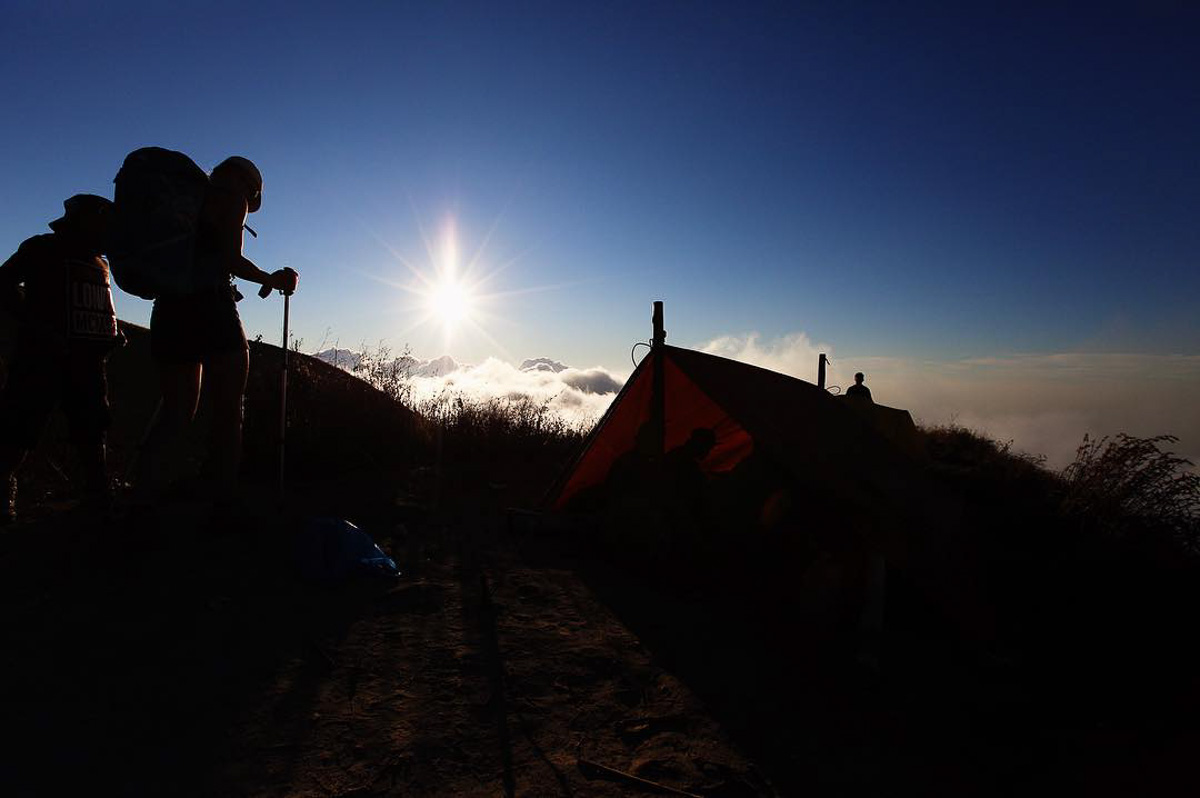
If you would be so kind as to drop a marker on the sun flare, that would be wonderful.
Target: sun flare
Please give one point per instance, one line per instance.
(451, 290)
(450, 301)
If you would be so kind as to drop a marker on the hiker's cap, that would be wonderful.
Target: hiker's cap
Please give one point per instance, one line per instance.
(79, 206)
(249, 172)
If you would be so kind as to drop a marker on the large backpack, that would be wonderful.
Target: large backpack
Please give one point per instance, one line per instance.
(152, 251)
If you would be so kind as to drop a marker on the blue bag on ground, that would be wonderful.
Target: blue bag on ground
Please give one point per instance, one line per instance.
(331, 550)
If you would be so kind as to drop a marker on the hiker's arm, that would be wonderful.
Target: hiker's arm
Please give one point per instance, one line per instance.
(12, 274)
(280, 280)
(227, 215)
(244, 268)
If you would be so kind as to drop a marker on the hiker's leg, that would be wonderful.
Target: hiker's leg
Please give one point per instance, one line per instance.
(85, 403)
(25, 407)
(226, 363)
(225, 384)
(13, 446)
(10, 460)
(93, 457)
(180, 386)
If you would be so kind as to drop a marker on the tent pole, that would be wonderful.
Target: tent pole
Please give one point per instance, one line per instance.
(658, 403)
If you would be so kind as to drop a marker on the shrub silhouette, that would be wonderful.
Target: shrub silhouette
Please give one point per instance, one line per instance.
(391, 375)
(1126, 486)
(509, 439)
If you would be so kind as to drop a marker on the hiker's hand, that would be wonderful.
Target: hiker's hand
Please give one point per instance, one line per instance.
(285, 280)
(282, 280)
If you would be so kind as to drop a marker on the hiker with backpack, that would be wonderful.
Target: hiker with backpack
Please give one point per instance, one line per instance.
(187, 261)
(57, 286)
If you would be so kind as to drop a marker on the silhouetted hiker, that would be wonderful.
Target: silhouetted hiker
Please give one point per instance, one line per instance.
(628, 477)
(197, 337)
(685, 494)
(625, 502)
(67, 328)
(631, 472)
(858, 390)
(681, 466)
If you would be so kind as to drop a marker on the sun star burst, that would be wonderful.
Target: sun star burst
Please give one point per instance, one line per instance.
(457, 297)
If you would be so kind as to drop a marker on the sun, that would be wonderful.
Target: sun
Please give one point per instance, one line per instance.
(450, 301)
(447, 291)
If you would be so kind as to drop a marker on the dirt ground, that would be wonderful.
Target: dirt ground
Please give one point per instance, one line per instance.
(186, 661)
(188, 658)
(184, 657)
(178, 657)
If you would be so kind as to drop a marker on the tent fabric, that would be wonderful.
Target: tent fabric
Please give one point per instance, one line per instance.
(892, 423)
(689, 408)
(749, 409)
(614, 435)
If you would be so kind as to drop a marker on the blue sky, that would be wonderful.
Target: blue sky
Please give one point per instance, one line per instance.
(896, 180)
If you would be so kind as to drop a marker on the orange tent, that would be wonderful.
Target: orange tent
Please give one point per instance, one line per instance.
(815, 435)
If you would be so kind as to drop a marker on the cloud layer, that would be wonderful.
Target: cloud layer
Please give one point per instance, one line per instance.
(1043, 403)
(578, 395)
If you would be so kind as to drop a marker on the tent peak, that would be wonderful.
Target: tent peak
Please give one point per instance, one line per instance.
(656, 318)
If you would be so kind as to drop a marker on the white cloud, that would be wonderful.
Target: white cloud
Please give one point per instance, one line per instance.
(595, 380)
(1044, 403)
(793, 354)
(578, 395)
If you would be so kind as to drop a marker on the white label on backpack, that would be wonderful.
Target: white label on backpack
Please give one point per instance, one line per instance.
(90, 312)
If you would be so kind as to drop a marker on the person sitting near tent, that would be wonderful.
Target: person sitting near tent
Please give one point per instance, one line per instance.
(858, 390)
(67, 328)
(200, 337)
(684, 483)
(681, 466)
(632, 470)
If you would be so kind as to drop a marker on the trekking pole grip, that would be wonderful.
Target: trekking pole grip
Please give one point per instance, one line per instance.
(265, 290)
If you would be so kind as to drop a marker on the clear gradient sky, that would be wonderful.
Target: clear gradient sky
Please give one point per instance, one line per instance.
(932, 183)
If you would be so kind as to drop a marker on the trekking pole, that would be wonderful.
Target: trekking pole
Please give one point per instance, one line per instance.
(283, 384)
(287, 305)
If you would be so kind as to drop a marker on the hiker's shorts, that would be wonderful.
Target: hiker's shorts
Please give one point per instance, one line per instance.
(193, 329)
(36, 385)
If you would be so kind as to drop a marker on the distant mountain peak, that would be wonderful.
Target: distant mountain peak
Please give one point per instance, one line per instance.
(438, 367)
(542, 364)
(410, 366)
(342, 358)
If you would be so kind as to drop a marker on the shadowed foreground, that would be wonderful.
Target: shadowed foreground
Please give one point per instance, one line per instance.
(194, 664)
(1051, 654)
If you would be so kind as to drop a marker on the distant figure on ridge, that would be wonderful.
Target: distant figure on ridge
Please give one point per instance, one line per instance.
(196, 336)
(67, 328)
(858, 390)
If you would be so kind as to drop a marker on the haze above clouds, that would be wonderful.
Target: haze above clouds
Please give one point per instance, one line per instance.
(1044, 403)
